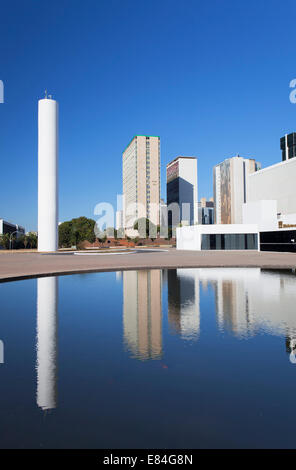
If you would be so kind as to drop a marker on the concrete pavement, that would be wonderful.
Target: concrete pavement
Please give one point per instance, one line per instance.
(23, 265)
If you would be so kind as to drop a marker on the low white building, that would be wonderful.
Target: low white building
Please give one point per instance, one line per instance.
(218, 237)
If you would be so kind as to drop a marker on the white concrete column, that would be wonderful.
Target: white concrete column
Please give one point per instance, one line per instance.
(47, 175)
(47, 302)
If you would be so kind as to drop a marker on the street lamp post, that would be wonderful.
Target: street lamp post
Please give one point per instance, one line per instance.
(10, 238)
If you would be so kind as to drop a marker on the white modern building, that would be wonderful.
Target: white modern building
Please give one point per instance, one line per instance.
(230, 180)
(182, 191)
(47, 175)
(218, 237)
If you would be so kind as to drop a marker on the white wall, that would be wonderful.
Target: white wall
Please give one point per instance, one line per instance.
(276, 182)
(188, 238)
(262, 213)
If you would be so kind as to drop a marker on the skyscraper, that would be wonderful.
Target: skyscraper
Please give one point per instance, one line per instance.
(230, 188)
(141, 179)
(182, 190)
(288, 146)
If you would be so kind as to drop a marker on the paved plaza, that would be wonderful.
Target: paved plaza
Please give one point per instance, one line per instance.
(20, 265)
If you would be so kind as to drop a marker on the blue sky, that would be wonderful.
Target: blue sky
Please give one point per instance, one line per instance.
(211, 78)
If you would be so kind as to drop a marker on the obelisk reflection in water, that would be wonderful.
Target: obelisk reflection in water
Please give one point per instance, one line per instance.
(47, 302)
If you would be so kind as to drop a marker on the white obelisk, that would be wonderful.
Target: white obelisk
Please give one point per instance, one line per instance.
(47, 175)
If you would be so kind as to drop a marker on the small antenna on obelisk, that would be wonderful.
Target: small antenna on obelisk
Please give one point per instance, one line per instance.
(45, 93)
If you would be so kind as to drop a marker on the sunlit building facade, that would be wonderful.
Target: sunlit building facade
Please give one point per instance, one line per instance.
(141, 180)
(182, 191)
(231, 188)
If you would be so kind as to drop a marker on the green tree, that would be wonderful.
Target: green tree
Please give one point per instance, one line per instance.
(26, 241)
(170, 233)
(19, 242)
(75, 231)
(32, 240)
(4, 240)
(65, 234)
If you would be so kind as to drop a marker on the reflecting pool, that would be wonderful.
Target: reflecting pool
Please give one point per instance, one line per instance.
(186, 358)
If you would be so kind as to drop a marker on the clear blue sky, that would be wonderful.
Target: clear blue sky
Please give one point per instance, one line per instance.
(211, 78)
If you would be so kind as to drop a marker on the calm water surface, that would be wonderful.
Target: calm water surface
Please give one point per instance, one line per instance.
(186, 358)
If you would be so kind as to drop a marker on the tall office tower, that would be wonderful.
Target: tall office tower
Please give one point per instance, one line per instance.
(182, 190)
(142, 317)
(47, 305)
(141, 179)
(288, 146)
(230, 188)
(206, 211)
(47, 175)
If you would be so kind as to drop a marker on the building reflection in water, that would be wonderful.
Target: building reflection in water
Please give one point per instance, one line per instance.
(232, 288)
(247, 301)
(250, 300)
(183, 302)
(47, 301)
(142, 313)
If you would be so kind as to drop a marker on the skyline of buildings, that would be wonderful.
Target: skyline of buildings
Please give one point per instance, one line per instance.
(236, 181)
(254, 208)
